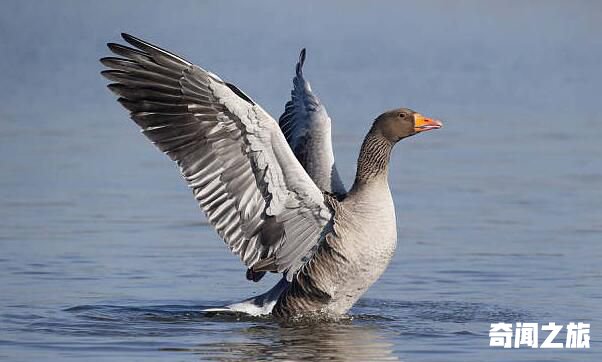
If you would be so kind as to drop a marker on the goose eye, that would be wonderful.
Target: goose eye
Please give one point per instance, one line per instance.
(402, 115)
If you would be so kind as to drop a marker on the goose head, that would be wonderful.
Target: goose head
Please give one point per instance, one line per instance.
(400, 123)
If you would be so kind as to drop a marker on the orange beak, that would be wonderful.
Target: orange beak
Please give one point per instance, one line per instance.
(421, 123)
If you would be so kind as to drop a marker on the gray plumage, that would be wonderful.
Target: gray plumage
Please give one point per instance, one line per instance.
(230, 151)
(307, 128)
(271, 203)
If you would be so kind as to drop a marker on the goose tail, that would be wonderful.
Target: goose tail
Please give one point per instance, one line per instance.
(256, 306)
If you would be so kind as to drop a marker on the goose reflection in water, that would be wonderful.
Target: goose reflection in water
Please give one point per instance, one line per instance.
(333, 341)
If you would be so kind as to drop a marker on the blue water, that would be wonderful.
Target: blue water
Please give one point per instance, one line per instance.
(105, 255)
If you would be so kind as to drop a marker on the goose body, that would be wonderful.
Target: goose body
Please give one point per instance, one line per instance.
(271, 189)
(356, 254)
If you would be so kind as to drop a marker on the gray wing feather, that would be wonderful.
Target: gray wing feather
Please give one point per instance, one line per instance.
(229, 150)
(307, 128)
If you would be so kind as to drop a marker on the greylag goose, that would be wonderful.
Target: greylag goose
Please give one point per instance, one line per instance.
(273, 195)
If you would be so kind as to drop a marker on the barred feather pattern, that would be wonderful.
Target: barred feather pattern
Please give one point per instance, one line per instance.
(374, 157)
(231, 153)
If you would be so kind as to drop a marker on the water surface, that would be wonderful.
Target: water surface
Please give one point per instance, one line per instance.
(105, 255)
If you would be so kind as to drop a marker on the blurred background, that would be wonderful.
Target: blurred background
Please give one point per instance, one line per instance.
(499, 213)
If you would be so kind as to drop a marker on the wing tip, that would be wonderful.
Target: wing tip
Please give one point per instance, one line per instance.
(110, 62)
(112, 46)
(132, 40)
(110, 73)
(116, 88)
(105, 61)
(124, 51)
(299, 68)
(152, 49)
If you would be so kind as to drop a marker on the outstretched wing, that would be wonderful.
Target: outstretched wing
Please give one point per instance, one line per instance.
(306, 126)
(230, 151)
